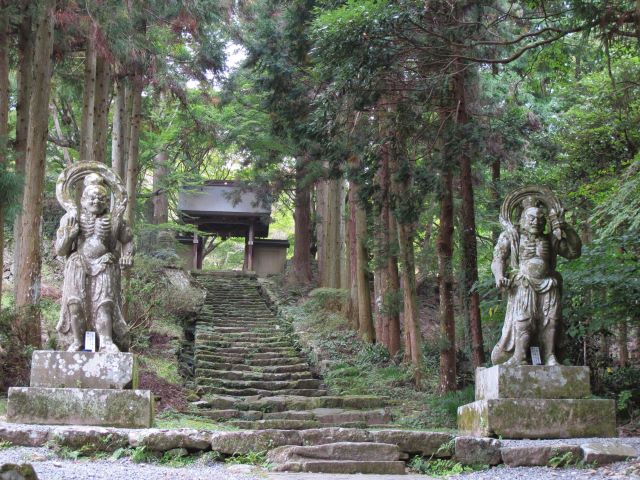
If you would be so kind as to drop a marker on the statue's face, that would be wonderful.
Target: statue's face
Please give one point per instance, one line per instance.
(94, 199)
(533, 221)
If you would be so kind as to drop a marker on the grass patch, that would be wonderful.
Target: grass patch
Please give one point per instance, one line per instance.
(4, 444)
(3, 405)
(355, 367)
(173, 419)
(165, 368)
(440, 467)
(250, 458)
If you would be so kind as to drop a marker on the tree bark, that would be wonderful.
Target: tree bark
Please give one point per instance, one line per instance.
(445, 276)
(119, 128)
(25, 72)
(4, 117)
(470, 297)
(101, 108)
(160, 198)
(328, 203)
(301, 264)
(28, 275)
(365, 317)
(88, 96)
(352, 305)
(393, 289)
(134, 146)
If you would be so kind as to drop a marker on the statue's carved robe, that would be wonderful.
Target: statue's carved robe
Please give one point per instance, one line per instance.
(92, 274)
(531, 298)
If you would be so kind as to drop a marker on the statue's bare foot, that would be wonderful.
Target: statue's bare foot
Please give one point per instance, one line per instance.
(515, 362)
(75, 347)
(551, 360)
(109, 347)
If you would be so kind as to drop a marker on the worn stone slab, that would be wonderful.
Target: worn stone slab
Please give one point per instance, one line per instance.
(91, 439)
(231, 443)
(478, 451)
(607, 452)
(532, 381)
(76, 406)
(541, 455)
(538, 418)
(162, 440)
(319, 436)
(343, 466)
(355, 451)
(55, 369)
(427, 444)
(23, 435)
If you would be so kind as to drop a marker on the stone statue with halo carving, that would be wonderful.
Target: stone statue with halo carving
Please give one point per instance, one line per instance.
(533, 285)
(96, 242)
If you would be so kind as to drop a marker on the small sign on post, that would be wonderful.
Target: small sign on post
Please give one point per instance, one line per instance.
(90, 341)
(535, 356)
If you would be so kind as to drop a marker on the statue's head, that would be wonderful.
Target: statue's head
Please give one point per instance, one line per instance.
(95, 196)
(533, 220)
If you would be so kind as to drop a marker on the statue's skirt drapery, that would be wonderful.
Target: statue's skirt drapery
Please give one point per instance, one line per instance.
(529, 300)
(92, 284)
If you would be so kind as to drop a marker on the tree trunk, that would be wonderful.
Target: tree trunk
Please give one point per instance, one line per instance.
(445, 276)
(25, 72)
(352, 305)
(470, 297)
(623, 346)
(301, 264)
(118, 130)
(28, 275)
(134, 146)
(393, 288)
(329, 196)
(365, 318)
(160, 198)
(101, 108)
(88, 96)
(4, 117)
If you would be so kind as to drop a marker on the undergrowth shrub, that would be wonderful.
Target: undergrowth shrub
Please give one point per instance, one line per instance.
(15, 358)
(328, 299)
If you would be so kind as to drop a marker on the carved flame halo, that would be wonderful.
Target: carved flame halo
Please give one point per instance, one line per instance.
(512, 206)
(75, 173)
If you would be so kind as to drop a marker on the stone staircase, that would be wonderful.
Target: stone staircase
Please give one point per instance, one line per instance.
(251, 376)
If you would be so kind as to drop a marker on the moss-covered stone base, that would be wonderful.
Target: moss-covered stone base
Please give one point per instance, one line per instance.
(75, 406)
(532, 381)
(538, 418)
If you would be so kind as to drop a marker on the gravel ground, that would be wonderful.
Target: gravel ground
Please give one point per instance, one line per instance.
(49, 467)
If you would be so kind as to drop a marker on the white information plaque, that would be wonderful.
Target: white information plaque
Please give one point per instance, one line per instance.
(90, 341)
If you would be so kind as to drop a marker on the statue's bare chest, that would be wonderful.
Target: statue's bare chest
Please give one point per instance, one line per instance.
(95, 233)
(535, 256)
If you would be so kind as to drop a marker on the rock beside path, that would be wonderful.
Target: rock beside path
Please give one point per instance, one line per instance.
(10, 471)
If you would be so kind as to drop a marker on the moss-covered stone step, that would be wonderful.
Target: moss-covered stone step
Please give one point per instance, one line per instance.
(260, 384)
(275, 424)
(253, 349)
(275, 344)
(342, 467)
(296, 368)
(249, 375)
(291, 402)
(246, 337)
(335, 416)
(244, 392)
(246, 360)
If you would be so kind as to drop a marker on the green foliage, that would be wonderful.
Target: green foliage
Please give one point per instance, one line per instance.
(173, 419)
(444, 407)
(3, 405)
(142, 455)
(440, 468)
(5, 444)
(328, 299)
(250, 458)
(561, 460)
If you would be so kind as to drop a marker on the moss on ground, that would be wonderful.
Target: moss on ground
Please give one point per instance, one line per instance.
(353, 367)
(173, 419)
(3, 406)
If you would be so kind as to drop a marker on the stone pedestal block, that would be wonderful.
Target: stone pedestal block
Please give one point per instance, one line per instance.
(532, 381)
(54, 369)
(75, 406)
(538, 418)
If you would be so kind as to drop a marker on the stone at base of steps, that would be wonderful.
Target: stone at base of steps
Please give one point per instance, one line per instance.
(342, 466)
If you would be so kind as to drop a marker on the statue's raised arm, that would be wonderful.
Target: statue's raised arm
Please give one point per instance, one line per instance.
(534, 287)
(91, 237)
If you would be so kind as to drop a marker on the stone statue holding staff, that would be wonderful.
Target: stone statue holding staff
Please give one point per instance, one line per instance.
(533, 285)
(96, 243)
